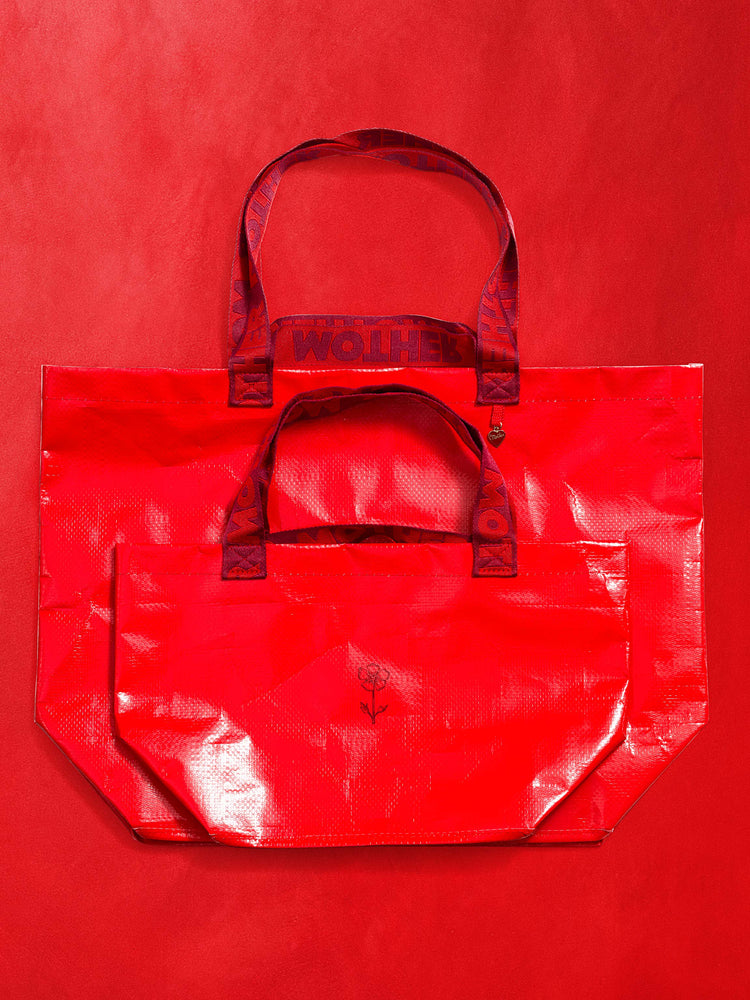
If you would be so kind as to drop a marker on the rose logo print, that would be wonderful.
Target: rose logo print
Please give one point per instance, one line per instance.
(373, 679)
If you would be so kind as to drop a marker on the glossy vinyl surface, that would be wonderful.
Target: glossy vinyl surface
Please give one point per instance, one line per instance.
(157, 457)
(371, 693)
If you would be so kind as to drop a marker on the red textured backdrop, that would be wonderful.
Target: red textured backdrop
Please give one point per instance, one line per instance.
(618, 134)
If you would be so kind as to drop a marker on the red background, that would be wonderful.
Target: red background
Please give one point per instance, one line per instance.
(617, 133)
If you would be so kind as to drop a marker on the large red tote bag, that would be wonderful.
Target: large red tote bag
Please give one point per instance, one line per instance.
(302, 694)
(157, 456)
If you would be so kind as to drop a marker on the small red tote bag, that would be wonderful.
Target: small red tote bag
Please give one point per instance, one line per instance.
(301, 694)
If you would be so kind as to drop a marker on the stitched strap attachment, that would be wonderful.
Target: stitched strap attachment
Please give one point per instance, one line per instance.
(251, 347)
(245, 533)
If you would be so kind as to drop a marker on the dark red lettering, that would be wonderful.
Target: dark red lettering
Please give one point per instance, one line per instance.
(244, 524)
(493, 490)
(399, 346)
(430, 347)
(376, 355)
(351, 353)
(492, 524)
(451, 356)
(304, 343)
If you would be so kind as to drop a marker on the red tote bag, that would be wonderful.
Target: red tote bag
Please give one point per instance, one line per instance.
(303, 694)
(157, 457)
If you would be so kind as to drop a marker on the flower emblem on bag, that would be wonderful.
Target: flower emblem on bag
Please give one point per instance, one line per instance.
(373, 678)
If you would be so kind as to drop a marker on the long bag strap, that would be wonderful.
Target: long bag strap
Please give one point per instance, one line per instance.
(251, 347)
(246, 530)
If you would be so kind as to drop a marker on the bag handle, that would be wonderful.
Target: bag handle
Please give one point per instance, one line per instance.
(246, 530)
(250, 339)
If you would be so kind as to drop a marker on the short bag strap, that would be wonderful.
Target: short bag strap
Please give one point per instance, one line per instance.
(245, 533)
(250, 340)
